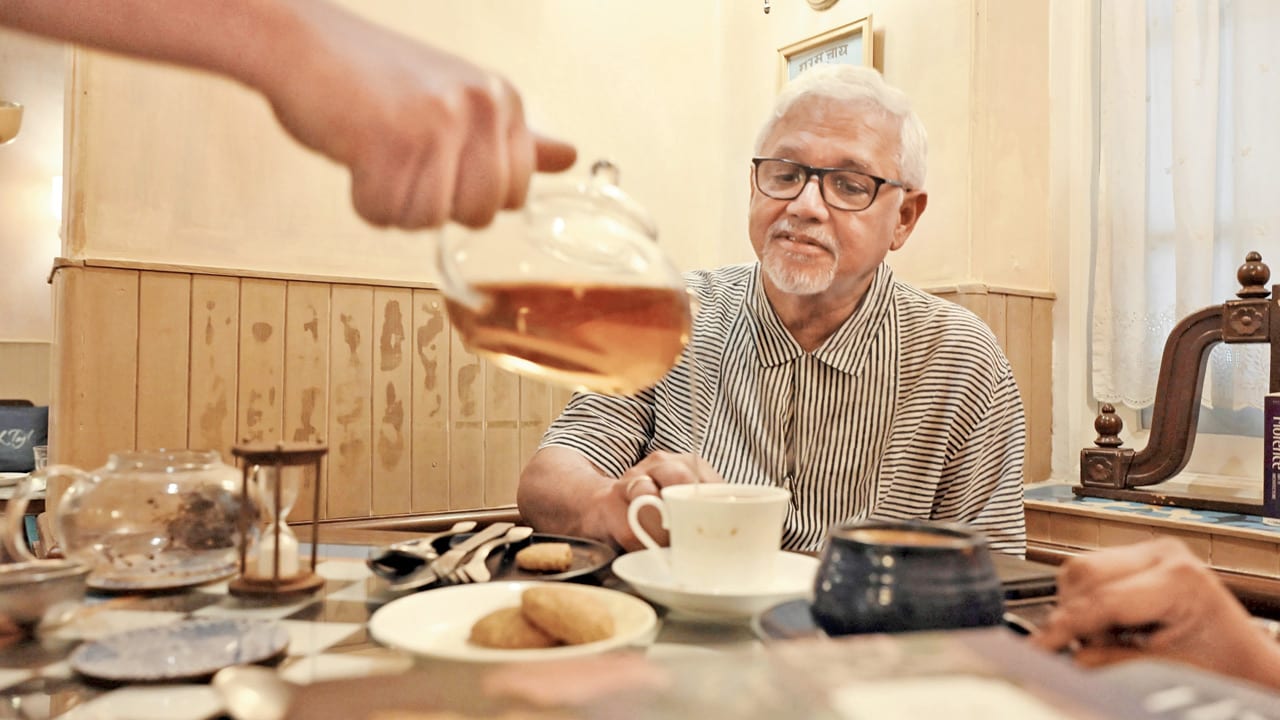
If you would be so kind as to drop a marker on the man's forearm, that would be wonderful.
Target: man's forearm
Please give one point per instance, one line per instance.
(558, 492)
(240, 38)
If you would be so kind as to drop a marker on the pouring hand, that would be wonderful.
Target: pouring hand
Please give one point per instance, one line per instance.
(1187, 613)
(428, 136)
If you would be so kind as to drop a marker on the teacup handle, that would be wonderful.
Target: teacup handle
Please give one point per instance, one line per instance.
(633, 518)
(15, 534)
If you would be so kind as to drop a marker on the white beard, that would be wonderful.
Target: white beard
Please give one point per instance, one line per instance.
(796, 274)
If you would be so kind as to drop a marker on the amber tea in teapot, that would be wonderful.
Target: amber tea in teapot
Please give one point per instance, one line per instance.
(581, 296)
(606, 338)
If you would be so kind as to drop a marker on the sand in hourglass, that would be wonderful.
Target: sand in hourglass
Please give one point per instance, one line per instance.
(604, 338)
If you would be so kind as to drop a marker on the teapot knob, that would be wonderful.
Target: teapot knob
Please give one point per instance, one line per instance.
(605, 172)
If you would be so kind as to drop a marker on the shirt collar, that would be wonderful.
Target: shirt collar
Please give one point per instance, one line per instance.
(845, 350)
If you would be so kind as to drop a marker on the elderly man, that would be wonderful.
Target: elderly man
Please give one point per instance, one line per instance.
(813, 369)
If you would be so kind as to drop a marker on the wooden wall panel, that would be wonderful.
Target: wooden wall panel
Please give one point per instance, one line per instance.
(351, 340)
(502, 461)
(164, 359)
(1040, 417)
(466, 438)
(260, 396)
(215, 356)
(432, 344)
(306, 380)
(392, 402)
(96, 366)
(415, 423)
(535, 415)
(1023, 325)
(998, 317)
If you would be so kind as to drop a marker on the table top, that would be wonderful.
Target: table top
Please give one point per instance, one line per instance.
(699, 667)
(327, 639)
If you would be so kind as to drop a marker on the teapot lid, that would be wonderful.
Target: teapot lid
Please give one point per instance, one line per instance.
(589, 221)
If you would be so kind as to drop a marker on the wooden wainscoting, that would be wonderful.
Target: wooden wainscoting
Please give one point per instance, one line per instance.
(1022, 321)
(148, 357)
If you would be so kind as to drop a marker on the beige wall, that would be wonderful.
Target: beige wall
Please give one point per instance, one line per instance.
(672, 91)
(212, 181)
(31, 73)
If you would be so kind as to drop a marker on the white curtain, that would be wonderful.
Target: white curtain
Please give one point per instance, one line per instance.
(1188, 183)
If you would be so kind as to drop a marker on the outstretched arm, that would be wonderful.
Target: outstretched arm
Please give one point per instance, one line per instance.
(427, 136)
(1161, 587)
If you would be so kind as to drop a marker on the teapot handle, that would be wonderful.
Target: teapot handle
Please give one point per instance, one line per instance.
(15, 541)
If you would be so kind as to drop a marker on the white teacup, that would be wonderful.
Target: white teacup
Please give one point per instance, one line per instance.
(724, 536)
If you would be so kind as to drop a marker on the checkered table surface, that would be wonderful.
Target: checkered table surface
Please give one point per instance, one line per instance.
(327, 640)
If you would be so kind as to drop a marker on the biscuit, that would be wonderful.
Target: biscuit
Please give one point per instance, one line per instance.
(572, 616)
(545, 557)
(508, 629)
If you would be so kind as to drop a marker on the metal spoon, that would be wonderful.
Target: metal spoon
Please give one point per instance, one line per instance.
(476, 569)
(253, 692)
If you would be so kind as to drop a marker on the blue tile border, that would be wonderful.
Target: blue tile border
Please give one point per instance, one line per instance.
(1060, 493)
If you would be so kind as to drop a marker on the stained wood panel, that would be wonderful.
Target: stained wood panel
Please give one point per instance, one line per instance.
(392, 402)
(215, 361)
(466, 438)
(1039, 393)
(1023, 326)
(535, 415)
(414, 422)
(502, 460)
(431, 401)
(96, 365)
(349, 493)
(260, 397)
(164, 359)
(306, 379)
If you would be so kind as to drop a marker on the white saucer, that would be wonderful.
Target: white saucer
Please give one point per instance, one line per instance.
(649, 574)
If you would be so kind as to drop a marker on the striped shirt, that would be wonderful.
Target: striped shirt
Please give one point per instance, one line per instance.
(909, 410)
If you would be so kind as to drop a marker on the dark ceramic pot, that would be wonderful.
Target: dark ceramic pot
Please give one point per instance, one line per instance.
(899, 576)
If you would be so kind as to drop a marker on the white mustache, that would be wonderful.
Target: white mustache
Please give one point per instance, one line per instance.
(815, 235)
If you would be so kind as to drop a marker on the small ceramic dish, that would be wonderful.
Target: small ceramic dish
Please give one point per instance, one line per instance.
(186, 650)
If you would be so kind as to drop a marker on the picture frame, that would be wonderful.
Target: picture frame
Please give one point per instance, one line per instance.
(849, 44)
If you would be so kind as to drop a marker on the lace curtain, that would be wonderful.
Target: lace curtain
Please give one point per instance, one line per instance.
(1188, 173)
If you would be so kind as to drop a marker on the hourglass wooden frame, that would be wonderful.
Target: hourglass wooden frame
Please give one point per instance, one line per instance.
(281, 456)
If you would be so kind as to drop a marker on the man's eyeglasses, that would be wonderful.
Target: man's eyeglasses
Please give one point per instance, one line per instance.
(841, 188)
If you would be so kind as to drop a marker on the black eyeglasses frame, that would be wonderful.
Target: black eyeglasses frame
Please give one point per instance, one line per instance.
(821, 173)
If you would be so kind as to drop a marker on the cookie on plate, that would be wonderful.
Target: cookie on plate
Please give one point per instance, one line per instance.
(508, 629)
(545, 557)
(571, 615)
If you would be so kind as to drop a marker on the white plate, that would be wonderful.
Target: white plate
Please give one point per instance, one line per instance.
(436, 623)
(648, 572)
(8, 479)
(184, 650)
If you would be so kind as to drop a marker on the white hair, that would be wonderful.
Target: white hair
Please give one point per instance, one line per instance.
(858, 84)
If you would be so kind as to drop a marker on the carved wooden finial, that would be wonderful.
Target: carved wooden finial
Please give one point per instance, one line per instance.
(1253, 276)
(1108, 424)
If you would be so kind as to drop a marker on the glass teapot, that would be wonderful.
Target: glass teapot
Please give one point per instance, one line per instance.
(585, 299)
(146, 520)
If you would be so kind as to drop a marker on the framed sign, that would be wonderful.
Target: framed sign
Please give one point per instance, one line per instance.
(847, 45)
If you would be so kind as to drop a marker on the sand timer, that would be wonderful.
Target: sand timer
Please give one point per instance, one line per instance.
(272, 477)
